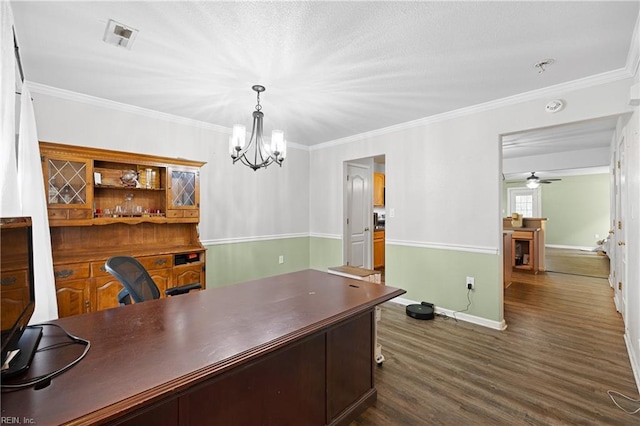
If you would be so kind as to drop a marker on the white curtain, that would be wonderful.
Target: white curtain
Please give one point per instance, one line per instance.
(9, 202)
(21, 180)
(33, 203)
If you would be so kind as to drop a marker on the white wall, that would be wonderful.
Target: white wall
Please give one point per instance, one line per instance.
(237, 203)
(443, 176)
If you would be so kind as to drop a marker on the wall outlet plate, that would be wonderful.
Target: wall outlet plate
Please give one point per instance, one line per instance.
(471, 283)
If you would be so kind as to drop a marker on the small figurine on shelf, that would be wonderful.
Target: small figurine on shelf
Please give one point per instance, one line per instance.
(129, 179)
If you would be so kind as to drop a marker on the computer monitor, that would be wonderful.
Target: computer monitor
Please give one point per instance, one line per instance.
(17, 294)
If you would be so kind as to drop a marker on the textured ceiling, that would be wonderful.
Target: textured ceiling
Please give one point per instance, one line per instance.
(331, 69)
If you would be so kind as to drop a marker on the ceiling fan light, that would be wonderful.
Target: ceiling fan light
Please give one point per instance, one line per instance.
(533, 184)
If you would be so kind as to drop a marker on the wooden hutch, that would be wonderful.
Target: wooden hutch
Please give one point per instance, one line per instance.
(527, 243)
(103, 203)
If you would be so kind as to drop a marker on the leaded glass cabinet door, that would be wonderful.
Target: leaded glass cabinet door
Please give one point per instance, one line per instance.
(184, 192)
(68, 187)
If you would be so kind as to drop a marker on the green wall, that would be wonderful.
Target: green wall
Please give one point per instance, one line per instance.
(238, 262)
(577, 208)
(244, 261)
(439, 277)
(325, 252)
(432, 275)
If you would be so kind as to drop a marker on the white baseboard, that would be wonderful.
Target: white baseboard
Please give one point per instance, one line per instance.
(496, 325)
(559, 246)
(635, 362)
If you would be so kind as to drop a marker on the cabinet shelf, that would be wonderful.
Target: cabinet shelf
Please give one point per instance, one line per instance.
(127, 188)
(86, 187)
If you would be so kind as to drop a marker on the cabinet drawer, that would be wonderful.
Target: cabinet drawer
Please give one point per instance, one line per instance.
(71, 272)
(79, 214)
(191, 213)
(98, 270)
(175, 213)
(69, 213)
(156, 262)
(57, 213)
(13, 279)
(522, 235)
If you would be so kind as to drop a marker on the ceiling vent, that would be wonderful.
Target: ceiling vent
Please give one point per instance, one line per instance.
(119, 34)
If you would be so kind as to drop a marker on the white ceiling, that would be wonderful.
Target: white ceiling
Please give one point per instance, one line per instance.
(331, 69)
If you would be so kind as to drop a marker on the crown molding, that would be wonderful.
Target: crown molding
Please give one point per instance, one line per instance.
(69, 95)
(583, 83)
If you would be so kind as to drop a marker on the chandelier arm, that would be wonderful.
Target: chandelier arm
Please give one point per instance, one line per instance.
(263, 155)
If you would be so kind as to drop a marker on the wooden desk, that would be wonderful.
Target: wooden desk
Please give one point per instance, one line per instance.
(292, 349)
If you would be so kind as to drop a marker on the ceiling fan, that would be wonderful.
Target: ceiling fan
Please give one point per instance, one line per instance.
(534, 181)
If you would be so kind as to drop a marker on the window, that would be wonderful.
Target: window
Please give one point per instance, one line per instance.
(525, 201)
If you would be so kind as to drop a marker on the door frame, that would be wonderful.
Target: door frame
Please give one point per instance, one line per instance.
(367, 165)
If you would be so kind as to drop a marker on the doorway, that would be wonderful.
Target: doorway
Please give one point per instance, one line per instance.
(363, 213)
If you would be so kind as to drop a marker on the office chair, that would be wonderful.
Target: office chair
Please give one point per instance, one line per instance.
(137, 282)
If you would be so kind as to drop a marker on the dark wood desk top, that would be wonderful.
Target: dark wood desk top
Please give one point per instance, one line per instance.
(148, 351)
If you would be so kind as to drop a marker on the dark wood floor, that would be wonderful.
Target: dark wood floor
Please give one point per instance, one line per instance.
(563, 349)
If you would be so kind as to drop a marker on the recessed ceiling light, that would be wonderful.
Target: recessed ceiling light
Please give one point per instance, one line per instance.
(119, 35)
(543, 64)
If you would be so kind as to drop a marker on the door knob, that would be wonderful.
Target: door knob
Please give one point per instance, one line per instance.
(366, 229)
(621, 243)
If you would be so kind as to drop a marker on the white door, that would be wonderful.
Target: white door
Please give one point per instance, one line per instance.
(619, 232)
(358, 216)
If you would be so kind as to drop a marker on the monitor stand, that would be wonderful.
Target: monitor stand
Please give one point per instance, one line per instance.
(27, 344)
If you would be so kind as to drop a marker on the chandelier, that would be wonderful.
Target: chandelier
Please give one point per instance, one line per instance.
(263, 154)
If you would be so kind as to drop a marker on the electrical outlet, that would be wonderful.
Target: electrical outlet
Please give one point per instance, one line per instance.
(281, 259)
(471, 283)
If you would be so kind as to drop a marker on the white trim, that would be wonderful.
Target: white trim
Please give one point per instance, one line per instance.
(441, 246)
(633, 358)
(633, 56)
(119, 106)
(559, 246)
(329, 236)
(496, 325)
(555, 90)
(252, 239)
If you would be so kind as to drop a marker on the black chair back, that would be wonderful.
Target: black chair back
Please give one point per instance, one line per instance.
(134, 277)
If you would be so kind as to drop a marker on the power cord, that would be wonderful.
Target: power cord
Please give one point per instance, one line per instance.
(446, 317)
(465, 309)
(44, 380)
(612, 392)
